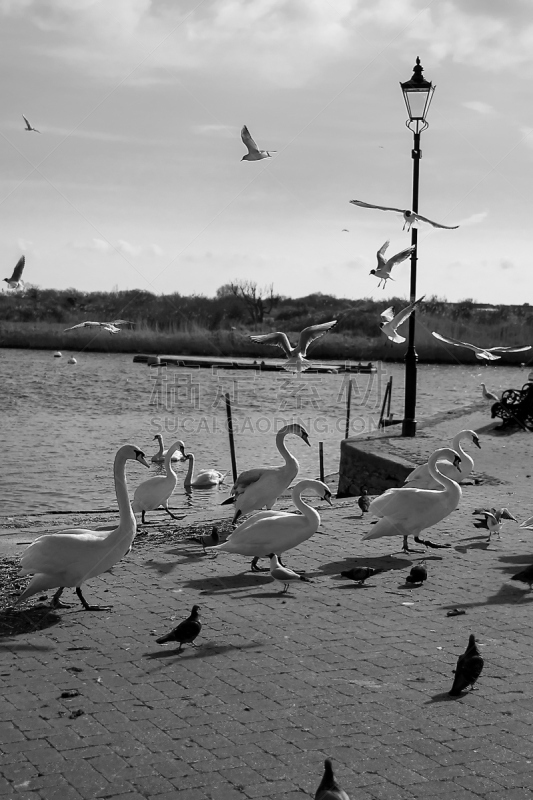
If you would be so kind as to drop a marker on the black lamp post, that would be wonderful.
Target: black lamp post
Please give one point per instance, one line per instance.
(417, 94)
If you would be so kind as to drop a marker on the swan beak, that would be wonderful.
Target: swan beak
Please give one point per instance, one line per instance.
(142, 460)
(327, 498)
(476, 442)
(306, 439)
(456, 463)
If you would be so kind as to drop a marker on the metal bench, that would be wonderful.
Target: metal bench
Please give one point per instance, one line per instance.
(515, 407)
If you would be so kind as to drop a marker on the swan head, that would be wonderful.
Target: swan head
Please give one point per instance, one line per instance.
(475, 439)
(372, 272)
(140, 457)
(327, 497)
(158, 437)
(300, 431)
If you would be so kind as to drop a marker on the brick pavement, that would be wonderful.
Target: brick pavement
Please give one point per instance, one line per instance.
(359, 674)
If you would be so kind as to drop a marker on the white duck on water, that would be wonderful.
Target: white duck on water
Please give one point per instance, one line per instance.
(269, 532)
(155, 492)
(407, 511)
(420, 478)
(70, 557)
(256, 488)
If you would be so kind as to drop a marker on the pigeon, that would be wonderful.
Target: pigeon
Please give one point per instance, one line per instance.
(360, 574)
(418, 573)
(488, 395)
(468, 669)
(385, 265)
(15, 282)
(364, 501)
(525, 576)
(410, 218)
(107, 326)
(328, 788)
(494, 519)
(207, 540)
(283, 574)
(28, 126)
(296, 361)
(391, 322)
(186, 632)
(484, 354)
(254, 153)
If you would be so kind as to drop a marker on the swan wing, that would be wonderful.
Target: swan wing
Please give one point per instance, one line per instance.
(278, 339)
(247, 479)
(247, 139)
(74, 555)
(313, 332)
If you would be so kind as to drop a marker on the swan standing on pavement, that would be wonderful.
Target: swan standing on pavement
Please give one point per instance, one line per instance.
(420, 477)
(277, 531)
(260, 487)
(71, 557)
(205, 478)
(155, 492)
(407, 511)
(159, 457)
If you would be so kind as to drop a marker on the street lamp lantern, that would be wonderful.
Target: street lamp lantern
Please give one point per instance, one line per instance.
(417, 93)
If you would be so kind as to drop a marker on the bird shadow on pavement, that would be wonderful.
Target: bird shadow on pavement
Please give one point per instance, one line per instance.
(227, 583)
(201, 650)
(444, 697)
(14, 621)
(506, 595)
(377, 562)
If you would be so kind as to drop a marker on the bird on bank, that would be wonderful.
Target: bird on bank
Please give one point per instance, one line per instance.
(111, 327)
(284, 575)
(256, 488)
(420, 478)
(254, 153)
(468, 669)
(488, 395)
(207, 539)
(361, 574)
(159, 457)
(29, 127)
(391, 322)
(525, 576)
(418, 573)
(186, 632)
(15, 281)
(411, 219)
(296, 360)
(493, 519)
(363, 501)
(384, 268)
(70, 557)
(482, 353)
(328, 788)
(155, 492)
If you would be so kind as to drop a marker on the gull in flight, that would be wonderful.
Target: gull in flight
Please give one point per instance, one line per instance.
(483, 353)
(296, 355)
(410, 218)
(15, 282)
(29, 127)
(107, 326)
(391, 323)
(385, 265)
(254, 153)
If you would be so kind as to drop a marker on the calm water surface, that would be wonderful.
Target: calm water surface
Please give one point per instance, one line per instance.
(63, 423)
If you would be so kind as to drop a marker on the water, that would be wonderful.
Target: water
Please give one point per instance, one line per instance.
(63, 423)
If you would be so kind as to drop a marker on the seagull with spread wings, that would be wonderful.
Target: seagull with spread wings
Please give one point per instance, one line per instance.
(254, 153)
(385, 264)
(391, 322)
(29, 127)
(112, 327)
(296, 355)
(15, 281)
(410, 218)
(483, 353)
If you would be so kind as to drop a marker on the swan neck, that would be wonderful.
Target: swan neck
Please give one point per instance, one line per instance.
(168, 459)
(280, 444)
(188, 477)
(127, 517)
(308, 512)
(465, 457)
(437, 475)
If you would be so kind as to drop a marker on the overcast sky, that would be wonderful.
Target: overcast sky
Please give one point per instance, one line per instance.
(136, 179)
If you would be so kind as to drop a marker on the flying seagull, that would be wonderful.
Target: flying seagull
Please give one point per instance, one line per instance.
(391, 323)
(107, 326)
(296, 361)
(254, 153)
(411, 218)
(385, 265)
(15, 282)
(28, 126)
(483, 353)
(186, 632)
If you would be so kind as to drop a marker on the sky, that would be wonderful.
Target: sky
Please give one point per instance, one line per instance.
(135, 180)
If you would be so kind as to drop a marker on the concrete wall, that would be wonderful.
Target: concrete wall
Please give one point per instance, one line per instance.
(366, 463)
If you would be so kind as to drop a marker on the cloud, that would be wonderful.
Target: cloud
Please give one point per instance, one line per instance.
(228, 131)
(506, 264)
(479, 107)
(473, 219)
(120, 246)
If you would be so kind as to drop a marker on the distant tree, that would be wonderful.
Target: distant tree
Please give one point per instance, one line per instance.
(257, 301)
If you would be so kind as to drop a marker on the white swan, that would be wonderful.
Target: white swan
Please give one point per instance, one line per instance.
(277, 531)
(159, 457)
(71, 557)
(156, 491)
(420, 477)
(205, 479)
(407, 511)
(260, 487)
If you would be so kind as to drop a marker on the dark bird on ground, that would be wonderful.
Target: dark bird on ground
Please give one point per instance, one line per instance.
(525, 576)
(208, 539)
(186, 632)
(360, 573)
(418, 573)
(15, 282)
(328, 788)
(468, 669)
(364, 500)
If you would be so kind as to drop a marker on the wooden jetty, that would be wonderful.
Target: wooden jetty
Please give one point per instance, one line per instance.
(263, 365)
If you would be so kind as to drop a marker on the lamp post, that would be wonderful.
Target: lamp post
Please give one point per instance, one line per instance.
(417, 93)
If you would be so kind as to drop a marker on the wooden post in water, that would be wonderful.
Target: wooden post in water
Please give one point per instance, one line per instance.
(321, 460)
(348, 405)
(231, 439)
